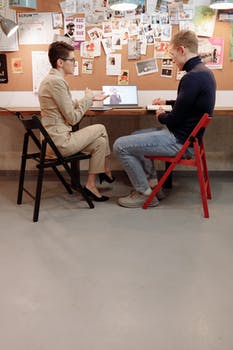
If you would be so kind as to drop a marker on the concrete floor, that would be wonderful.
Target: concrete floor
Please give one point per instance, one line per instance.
(113, 278)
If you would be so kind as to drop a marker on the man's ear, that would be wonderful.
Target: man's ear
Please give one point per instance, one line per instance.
(182, 49)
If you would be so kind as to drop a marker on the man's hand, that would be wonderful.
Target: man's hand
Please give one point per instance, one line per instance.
(158, 101)
(158, 112)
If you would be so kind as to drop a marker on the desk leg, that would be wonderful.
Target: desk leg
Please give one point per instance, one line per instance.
(75, 173)
(168, 182)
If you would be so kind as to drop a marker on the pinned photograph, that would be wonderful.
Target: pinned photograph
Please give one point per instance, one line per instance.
(107, 29)
(123, 79)
(74, 29)
(87, 49)
(107, 45)
(87, 66)
(16, 65)
(162, 49)
(167, 62)
(116, 41)
(95, 33)
(57, 20)
(113, 64)
(3, 69)
(146, 67)
(166, 72)
(134, 49)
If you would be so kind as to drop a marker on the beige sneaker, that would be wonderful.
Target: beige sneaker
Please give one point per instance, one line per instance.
(161, 194)
(136, 200)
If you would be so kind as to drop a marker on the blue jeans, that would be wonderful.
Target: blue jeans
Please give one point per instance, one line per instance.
(131, 149)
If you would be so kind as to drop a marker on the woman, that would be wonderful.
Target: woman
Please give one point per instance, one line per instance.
(59, 113)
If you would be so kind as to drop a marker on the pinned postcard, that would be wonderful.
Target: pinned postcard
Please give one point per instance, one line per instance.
(87, 66)
(113, 64)
(16, 65)
(123, 79)
(146, 67)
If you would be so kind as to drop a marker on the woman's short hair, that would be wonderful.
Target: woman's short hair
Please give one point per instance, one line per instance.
(186, 38)
(58, 49)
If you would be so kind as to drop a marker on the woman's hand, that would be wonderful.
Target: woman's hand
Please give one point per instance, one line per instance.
(100, 97)
(89, 94)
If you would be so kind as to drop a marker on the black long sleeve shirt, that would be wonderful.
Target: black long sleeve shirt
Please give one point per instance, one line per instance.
(195, 96)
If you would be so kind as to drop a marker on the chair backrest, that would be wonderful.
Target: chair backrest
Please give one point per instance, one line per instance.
(202, 124)
(34, 123)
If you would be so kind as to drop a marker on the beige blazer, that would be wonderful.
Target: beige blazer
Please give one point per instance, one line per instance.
(58, 111)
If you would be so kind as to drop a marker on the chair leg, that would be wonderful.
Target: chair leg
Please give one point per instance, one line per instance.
(38, 194)
(63, 181)
(159, 185)
(201, 181)
(22, 169)
(39, 183)
(206, 175)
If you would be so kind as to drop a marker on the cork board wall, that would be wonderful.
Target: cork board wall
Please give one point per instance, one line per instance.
(23, 81)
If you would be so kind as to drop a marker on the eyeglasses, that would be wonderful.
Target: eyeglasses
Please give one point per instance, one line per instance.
(68, 59)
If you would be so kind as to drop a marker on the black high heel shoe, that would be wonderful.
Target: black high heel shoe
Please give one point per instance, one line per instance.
(105, 177)
(93, 197)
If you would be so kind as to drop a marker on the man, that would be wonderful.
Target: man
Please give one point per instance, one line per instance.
(70, 30)
(195, 96)
(59, 113)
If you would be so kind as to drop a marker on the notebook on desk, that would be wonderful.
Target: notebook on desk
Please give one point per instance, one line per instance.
(121, 96)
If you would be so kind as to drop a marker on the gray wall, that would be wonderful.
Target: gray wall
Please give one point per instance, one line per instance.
(218, 139)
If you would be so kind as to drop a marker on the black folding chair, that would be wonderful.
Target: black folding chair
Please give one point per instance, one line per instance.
(31, 125)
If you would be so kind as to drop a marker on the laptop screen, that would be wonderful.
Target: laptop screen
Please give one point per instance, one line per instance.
(125, 95)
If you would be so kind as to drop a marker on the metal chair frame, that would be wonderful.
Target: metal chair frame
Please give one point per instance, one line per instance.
(31, 125)
(199, 161)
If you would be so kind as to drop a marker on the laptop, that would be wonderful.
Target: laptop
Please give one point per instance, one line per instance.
(121, 96)
(100, 108)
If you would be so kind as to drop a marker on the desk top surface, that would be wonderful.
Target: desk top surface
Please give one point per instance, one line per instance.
(111, 112)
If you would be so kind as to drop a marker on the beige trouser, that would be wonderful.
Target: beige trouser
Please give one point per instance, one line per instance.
(92, 139)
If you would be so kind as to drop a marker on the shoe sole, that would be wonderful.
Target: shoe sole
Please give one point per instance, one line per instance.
(131, 206)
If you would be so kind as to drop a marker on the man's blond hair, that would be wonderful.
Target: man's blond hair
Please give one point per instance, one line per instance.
(186, 38)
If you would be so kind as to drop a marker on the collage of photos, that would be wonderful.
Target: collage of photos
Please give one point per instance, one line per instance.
(148, 25)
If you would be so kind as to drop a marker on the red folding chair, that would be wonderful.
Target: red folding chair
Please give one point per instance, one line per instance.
(199, 161)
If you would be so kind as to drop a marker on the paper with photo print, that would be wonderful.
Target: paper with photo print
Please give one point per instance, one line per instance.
(211, 52)
(107, 45)
(161, 49)
(87, 66)
(113, 64)
(204, 20)
(134, 49)
(16, 65)
(146, 67)
(36, 28)
(217, 49)
(3, 69)
(87, 49)
(95, 33)
(123, 79)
